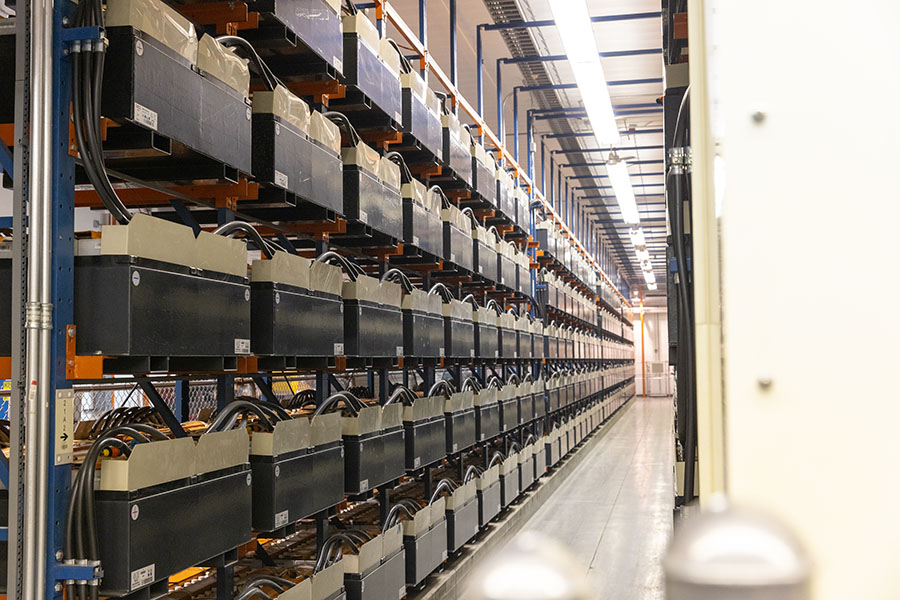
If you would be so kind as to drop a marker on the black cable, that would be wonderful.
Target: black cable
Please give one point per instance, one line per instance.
(341, 120)
(393, 516)
(333, 400)
(404, 62)
(247, 49)
(235, 407)
(442, 386)
(397, 158)
(444, 485)
(331, 257)
(443, 291)
(445, 201)
(398, 276)
(229, 229)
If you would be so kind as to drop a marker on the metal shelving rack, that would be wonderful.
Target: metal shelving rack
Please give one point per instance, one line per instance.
(43, 172)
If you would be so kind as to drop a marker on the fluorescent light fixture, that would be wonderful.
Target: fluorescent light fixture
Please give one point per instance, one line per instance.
(621, 184)
(573, 21)
(637, 238)
(649, 277)
(651, 286)
(643, 254)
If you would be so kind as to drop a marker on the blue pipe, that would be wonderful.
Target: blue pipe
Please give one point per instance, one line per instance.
(617, 149)
(601, 163)
(543, 180)
(549, 22)
(529, 140)
(591, 134)
(453, 67)
(423, 31)
(560, 57)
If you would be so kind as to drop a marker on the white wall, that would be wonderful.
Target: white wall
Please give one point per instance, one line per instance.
(656, 348)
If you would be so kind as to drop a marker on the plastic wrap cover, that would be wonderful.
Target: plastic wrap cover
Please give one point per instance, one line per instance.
(282, 103)
(223, 64)
(504, 178)
(413, 81)
(158, 239)
(389, 172)
(433, 103)
(157, 20)
(325, 132)
(364, 28)
(507, 249)
(486, 237)
(335, 5)
(389, 56)
(415, 191)
(482, 155)
(282, 268)
(485, 316)
(458, 309)
(455, 216)
(452, 123)
(362, 156)
(432, 201)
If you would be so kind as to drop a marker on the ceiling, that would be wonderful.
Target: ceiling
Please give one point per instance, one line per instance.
(636, 104)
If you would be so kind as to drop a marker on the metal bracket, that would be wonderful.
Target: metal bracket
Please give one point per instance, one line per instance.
(89, 571)
(91, 33)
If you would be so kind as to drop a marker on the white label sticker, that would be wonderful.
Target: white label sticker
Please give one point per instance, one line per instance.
(338, 349)
(281, 519)
(281, 179)
(241, 346)
(364, 484)
(441, 353)
(145, 116)
(472, 352)
(398, 117)
(455, 446)
(402, 593)
(503, 280)
(480, 269)
(143, 576)
(452, 257)
(496, 354)
(65, 427)
(363, 216)
(417, 462)
(515, 355)
(399, 350)
(338, 63)
(415, 240)
(444, 555)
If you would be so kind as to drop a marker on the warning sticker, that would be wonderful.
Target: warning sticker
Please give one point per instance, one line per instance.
(281, 519)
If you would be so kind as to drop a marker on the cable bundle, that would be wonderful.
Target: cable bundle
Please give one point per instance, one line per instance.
(88, 59)
(397, 276)
(395, 515)
(444, 485)
(443, 290)
(403, 394)
(333, 548)
(267, 247)
(445, 201)
(441, 387)
(341, 120)
(397, 159)
(81, 541)
(300, 400)
(265, 73)
(253, 587)
(240, 409)
(352, 269)
(352, 404)
(126, 415)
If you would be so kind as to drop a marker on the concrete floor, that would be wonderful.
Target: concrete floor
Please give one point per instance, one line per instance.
(615, 510)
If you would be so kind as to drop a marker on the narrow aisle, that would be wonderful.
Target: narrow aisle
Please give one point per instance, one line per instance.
(615, 510)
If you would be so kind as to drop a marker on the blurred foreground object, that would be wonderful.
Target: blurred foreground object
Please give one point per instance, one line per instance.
(533, 567)
(734, 554)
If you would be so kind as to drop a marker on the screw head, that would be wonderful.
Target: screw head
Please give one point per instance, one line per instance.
(758, 116)
(59, 555)
(58, 587)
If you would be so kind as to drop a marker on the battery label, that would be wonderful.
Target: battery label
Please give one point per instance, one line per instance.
(143, 576)
(281, 519)
(145, 116)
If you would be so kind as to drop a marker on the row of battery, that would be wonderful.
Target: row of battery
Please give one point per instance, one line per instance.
(295, 151)
(150, 288)
(306, 465)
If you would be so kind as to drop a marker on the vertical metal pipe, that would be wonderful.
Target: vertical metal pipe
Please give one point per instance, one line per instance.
(423, 31)
(551, 198)
(453, 68)
(479, 71)
(38, 308)
(515, 117)
(529, 146)
(500, 104)
(543, 178)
